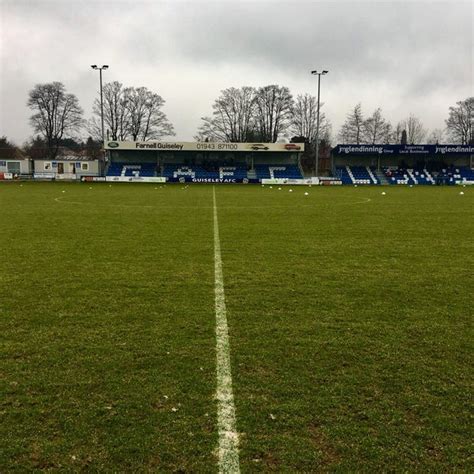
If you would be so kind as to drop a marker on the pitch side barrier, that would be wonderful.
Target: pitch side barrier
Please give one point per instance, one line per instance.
(161, 180)
(135, 179)
(321, 181)
(189, 179)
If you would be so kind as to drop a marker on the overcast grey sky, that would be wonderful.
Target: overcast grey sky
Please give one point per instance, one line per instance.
(404, 56)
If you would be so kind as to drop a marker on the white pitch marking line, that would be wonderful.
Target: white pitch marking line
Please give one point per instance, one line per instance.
(228, 450)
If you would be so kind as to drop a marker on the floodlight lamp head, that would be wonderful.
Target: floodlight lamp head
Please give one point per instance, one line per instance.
(94, 66)
(325, 72)
(105, 66)
(314, 72)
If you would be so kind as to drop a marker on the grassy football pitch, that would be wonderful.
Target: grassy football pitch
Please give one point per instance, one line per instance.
(349, 314)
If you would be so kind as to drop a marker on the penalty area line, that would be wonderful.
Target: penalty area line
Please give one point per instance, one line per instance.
(228, 449)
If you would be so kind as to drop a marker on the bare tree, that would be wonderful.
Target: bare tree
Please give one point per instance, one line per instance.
(304, 119)
(58, 114)
(460, 123)
(274, 111)
(211, 130)
(397, 133)
(233, 117)
(436, 136)
(352, 130)
(376, 129)
(416, 133)
(116, 113)
(130, 113)
(146, 119)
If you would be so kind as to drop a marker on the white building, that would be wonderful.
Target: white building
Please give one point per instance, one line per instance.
(65, 167)
(12, 168)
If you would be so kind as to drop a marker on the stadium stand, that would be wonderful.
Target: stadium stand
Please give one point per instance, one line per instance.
(424, 177)
(455, 175)
(265, 171)
(343, 174)
(180, 170)
(287, 171)
(131, 169)
(237, 171)
(398, 176)
(466, 174)
(357, 175)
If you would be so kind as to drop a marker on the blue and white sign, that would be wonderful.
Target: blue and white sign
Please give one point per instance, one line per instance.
(403, 149)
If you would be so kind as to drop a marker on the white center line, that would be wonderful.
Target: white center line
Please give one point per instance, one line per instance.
(228, 450)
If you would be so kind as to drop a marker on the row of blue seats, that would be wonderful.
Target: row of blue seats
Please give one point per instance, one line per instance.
(357, 175)
(132, 169)
(238, 171)
(279, 171)
(395, 176)
(458, 174)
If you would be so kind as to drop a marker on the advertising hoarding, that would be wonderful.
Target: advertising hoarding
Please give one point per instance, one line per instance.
(204, 146)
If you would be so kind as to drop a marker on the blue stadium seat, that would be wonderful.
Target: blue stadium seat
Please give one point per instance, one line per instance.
(356, 175)
(132, 169)
(268, 171)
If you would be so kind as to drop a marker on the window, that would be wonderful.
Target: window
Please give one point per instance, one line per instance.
(85, 166)
(13, 167)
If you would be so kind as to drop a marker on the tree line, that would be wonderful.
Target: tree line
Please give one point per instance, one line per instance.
(246, 114)
(359, 129)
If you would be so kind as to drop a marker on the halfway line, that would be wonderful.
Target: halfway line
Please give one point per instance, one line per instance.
(228, 450)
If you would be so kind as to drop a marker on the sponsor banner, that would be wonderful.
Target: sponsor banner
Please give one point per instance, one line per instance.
(44, 175)
(135, 179)
(329, 181)
(66, 176)
(403, 149)
(292, 181)
(189, 179)
(92, 178)
(7, 176)
(204, 146)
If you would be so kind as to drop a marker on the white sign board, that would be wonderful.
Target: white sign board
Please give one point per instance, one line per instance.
(135, 179)
(292, 181)
(204, 146)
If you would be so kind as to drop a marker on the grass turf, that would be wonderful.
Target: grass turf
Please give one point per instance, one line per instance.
(350, 318)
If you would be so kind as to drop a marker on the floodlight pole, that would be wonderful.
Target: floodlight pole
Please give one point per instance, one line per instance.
(95, 67)
(316, 164)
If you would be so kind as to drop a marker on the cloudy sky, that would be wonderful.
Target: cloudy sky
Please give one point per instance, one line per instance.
(404, 56)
